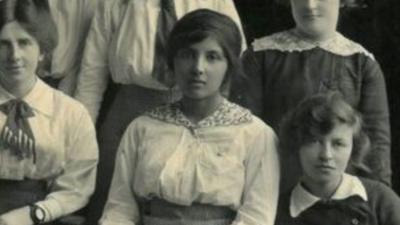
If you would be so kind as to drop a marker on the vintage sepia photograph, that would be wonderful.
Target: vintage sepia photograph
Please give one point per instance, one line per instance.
(199, 112)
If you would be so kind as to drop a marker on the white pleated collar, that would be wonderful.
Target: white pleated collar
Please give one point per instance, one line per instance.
(301, 199)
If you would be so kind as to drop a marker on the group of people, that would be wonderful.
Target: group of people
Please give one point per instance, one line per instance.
(198, 128)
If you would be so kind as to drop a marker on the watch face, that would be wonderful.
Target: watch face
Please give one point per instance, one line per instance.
(39, 213)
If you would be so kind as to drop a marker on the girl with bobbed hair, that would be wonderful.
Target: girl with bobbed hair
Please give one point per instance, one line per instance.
(203, 159)
(286, 67)
(324, 136)
(48, 149)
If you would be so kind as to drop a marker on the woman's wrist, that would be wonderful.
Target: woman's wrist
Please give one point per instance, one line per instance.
(20, 216)
(37, 214)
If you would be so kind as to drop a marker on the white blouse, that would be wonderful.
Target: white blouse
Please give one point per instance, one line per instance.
(228, 159)
(121, 44)
(66, 150)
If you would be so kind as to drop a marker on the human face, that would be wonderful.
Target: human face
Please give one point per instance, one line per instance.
(324, 161)
(19, 54)
(200, 69)
(316, 19)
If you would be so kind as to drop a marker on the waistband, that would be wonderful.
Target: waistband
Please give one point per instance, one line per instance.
(165, 221)
(27, 185)
(159, 208)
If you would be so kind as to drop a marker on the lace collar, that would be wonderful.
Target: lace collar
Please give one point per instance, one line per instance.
(227, 114)
(290, 41)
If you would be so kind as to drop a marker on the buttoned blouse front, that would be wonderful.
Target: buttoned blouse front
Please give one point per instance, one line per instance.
(121, 44)
(228, 159)
(66, 150)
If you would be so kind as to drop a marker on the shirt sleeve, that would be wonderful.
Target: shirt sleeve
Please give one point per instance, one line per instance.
(375, 112)
(121, 207)
(75, 17)
(94, 73)
(260, 197)
(71, 190)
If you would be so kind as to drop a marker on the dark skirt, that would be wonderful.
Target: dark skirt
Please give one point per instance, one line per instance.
(17, 194)
(130, 101)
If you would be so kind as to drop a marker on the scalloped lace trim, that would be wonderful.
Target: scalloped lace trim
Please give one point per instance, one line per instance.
(227, 114)
(291, 42)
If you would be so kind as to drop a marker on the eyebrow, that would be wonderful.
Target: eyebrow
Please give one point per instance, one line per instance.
(18, 39)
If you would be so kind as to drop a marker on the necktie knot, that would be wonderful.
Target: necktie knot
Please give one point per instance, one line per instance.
(18, 107)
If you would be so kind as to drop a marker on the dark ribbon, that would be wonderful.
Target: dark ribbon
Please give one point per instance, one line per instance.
(165, 23)
(17, 134)
(352, 210)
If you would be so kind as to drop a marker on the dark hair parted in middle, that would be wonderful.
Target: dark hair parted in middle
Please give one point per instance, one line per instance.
(316, 117)
(200, 24)
(34, 16)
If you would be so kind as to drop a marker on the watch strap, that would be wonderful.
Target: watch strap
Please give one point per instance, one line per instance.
(34, 216)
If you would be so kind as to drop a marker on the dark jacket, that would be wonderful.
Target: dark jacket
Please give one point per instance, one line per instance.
(278, 79)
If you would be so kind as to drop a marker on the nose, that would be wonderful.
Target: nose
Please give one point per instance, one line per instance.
(15, 52)
(310, 4)
(325, 152)
(198, 65)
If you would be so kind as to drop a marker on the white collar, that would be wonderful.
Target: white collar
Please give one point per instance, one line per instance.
(290, 41)
(301, 199)
(39, 98)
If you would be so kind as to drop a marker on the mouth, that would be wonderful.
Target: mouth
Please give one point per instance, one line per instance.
(14, 68)
(324, 167)
(197, 82)
(311, 16)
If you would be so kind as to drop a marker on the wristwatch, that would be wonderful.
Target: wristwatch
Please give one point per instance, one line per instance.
(38, 214)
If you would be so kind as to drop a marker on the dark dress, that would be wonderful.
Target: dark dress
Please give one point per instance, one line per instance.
(283, 69)
(382, 208)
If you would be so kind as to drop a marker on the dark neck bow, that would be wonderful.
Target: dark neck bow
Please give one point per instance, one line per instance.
(17, 134)
(352, 210)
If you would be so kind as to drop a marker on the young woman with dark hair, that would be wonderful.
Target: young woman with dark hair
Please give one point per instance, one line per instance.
(48, 149)
(123, 71)
(203, 159)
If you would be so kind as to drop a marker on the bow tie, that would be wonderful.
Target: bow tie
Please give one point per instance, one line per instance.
(17, 134)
